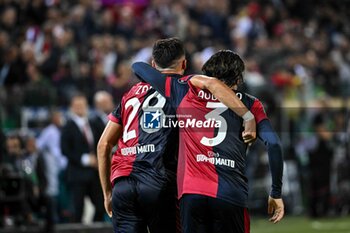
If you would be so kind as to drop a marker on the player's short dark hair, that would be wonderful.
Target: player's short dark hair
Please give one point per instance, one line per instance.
(226, 66)
(167, 51)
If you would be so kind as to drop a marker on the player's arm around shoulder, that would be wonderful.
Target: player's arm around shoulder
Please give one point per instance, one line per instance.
(226, 95)
(203, 81)
(108, 140)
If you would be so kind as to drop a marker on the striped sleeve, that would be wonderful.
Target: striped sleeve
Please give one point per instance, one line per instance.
(258, 111)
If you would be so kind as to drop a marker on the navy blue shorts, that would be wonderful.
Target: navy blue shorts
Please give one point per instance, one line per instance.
(203, 214)
(138, 206)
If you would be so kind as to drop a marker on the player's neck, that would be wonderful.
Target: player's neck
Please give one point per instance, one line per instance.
(171, 71)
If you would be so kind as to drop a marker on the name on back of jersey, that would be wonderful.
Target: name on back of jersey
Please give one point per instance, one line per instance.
(208, 96)
(139, 149)
(142, 89)
(214, 158)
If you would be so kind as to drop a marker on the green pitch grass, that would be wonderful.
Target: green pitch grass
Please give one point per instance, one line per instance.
(301, 225)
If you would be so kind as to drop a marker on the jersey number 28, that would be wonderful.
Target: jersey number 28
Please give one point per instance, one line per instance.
(135, 104)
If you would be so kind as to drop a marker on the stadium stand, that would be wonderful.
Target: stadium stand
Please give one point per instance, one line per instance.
(297, 56)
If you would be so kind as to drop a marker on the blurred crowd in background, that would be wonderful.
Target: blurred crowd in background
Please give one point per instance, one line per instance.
(297, 56)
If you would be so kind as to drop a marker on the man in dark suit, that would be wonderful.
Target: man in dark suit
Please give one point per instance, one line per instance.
(78, 142)
(104, 105)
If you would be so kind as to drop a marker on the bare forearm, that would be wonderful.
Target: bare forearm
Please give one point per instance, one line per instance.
(108, 140)
(221, 92)
(228, 97)
(104, 166)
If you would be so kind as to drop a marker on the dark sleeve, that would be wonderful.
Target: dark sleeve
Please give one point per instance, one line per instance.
(156, 79)
(274, 148)
(116, 115)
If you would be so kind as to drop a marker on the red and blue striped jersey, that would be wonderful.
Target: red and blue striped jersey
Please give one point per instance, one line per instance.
(146, 150)
(212, 159)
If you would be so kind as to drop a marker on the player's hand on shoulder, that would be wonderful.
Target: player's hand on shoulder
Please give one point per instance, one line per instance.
(276, 209)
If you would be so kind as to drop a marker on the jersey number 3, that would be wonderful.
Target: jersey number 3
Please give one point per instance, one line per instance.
(215, 115)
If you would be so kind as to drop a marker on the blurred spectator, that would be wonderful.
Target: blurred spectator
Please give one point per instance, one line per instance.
(320, 160)
(122, 80)
(14, 154)
(103, 106)
(38, 92)
(12, 68)
(340, 182)
(9, 16)
(78, 142)
(17, 165)
(84, 81)
(35, 160)
(34, 166)
(48, 143)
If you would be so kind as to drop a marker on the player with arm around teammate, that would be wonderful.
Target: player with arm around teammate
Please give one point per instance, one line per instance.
(138, 182)
(212, 187)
